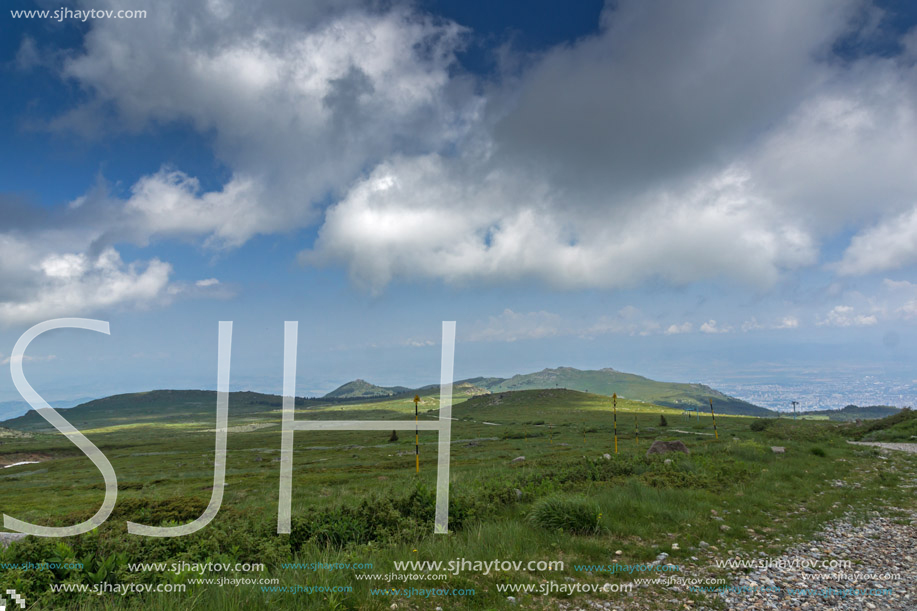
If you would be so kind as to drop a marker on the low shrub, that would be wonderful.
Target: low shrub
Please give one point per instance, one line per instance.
(758, 425)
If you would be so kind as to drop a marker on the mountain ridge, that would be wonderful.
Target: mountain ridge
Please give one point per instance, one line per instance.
(605, 381)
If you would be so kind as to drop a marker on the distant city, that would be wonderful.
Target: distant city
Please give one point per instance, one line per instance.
(821, 394)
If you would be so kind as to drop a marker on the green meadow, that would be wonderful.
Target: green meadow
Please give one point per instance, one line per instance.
(358, 500)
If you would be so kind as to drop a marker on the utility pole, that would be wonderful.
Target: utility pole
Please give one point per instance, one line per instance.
(795, 403)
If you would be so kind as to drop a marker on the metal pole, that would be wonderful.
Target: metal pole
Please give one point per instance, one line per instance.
(614, 403)
(416, 437)
(715, 433)
(795, 403)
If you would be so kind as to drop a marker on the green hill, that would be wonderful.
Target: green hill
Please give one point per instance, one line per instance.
(899, 427)
(627, 385)
(156, 407)
(361, 389)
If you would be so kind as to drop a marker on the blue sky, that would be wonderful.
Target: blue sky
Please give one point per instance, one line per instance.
(690, 191)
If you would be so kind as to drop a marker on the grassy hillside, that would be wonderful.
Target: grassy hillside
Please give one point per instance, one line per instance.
(629, 386)
(357, 499)
(156, 408)
(852, 412)
(361, 389)
(899, 427)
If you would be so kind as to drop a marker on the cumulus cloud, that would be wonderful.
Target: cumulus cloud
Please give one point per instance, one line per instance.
(298, 102)
(711, 326)
(888, 245)
(845, 316)
(622, 158)
(434, 217)
(675, 145)
(75, 283)
(675, 329)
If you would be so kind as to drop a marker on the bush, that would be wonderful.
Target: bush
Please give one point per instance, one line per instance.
(662, 420)
(576, 514)
(758, 425)
(818, 451)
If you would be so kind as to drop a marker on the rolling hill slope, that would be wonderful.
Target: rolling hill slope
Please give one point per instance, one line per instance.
(627, 385)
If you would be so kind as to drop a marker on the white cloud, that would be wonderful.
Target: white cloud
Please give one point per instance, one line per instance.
(888, 245)
(297, 107)
(787, 322)
(909, 309)
(899, 284)
(71, 284)
(845, 316)
(684, 327)
(207, 282)
(711, 327)
(674, 145)
(437, 218)
(751, 325)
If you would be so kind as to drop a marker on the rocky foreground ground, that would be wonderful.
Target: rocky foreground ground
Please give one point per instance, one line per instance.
(882, 575)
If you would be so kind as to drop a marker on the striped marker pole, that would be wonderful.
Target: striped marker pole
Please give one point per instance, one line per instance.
(416, 436)
(614, 404)
(716, 435)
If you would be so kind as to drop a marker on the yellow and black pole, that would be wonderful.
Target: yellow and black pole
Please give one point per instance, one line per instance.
(416, 436)
(715, 434)
(614, 405)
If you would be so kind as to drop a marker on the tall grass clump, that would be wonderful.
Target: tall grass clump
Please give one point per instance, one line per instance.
(573, 514)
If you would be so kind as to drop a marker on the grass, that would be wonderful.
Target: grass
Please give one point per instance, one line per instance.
(357, 499)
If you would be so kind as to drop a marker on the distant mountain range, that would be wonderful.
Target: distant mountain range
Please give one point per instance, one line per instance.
(184, 405)
(602, 382)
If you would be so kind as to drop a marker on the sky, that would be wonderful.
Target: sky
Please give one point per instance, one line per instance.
(703, 191)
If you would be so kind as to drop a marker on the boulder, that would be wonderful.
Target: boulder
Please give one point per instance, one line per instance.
(664, 447)
(518, 459)
(778, 449)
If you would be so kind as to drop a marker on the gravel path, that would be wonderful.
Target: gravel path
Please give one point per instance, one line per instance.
(882, 553)
(905, 447)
